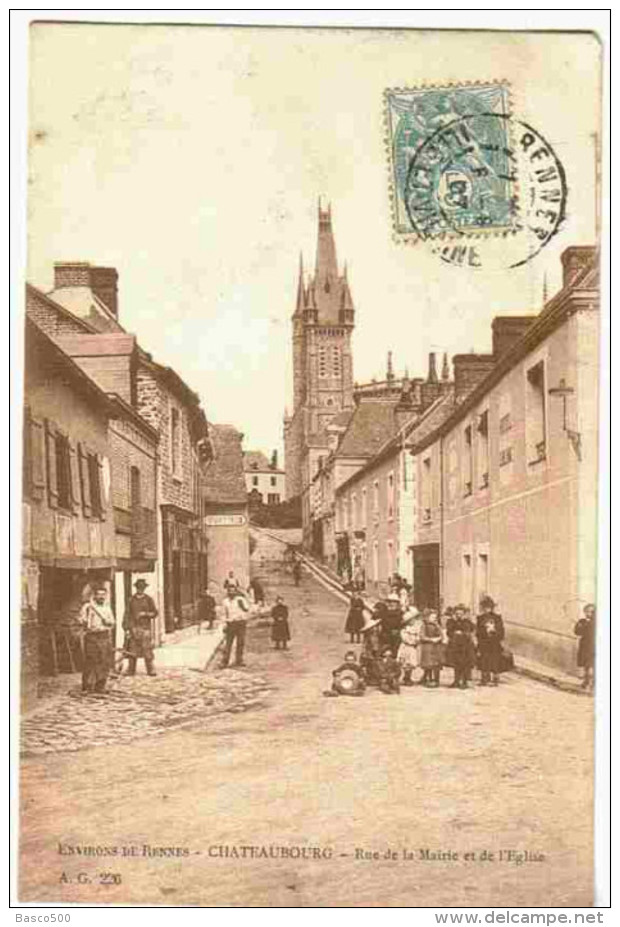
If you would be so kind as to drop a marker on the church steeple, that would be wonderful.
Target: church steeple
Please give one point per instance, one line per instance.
(323, 323)
(301, 296)
(326, 270)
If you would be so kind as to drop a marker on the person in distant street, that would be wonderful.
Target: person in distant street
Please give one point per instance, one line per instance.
(371, 652)
(259, 592)
(297, 571)
(96, 619)
(355, 617)
(489, 636)
(138, 627)
(585, 629)
(280, 630)
(206, 609)
(460, 651)
(236, 612)
(230, 581)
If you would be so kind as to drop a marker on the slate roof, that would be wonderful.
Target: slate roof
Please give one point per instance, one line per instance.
(109, 343)
(372, 424)
(224, 479)
(342, 419)
(435, 416)
(255, 461)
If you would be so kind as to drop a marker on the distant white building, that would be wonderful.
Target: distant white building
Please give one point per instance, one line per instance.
(263, 477)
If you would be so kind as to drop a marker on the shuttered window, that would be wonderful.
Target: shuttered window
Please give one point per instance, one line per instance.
(84, 481)
(63, 472)
(94, 479)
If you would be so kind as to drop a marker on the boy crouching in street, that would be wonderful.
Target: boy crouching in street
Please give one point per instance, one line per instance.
(389, 672)
(348, 678)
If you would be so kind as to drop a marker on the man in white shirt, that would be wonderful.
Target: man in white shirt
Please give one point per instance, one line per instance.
(96, 619)
(236, 611)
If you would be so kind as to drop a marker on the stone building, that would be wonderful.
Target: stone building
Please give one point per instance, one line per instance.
(173, 410)
(508, 481)
(68, 541)
(168, 455)
(263, 478)
(111, 359)
(225, 507)
(373, 492)
(323, 322)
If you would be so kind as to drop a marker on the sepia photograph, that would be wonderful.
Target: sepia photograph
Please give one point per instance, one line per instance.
(309, 467)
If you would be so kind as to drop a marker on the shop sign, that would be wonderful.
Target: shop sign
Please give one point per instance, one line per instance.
(229, 521)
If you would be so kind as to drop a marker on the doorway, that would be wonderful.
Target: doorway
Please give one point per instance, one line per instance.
(426, 575)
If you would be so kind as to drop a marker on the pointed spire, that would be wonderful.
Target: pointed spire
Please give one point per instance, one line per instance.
(390, 370)
(445, 369)
(326, 263)
(301, 296)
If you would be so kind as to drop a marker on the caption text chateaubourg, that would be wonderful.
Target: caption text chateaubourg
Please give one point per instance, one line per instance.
(275, 851)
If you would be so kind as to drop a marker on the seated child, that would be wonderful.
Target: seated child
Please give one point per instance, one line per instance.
(348, 678)
(389, 672)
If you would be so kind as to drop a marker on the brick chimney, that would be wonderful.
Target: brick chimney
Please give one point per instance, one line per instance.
(104, 284)
(103, 281)
(469, 370)
(71, 273)
(507, 329)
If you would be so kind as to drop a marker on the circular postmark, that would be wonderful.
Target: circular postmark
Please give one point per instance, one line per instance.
(486, 190)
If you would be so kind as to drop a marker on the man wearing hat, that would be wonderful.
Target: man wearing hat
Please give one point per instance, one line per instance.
(138, 627)
(391, 623)
(371, 652)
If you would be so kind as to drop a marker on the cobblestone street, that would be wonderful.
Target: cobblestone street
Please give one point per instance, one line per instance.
(136, 707)
(258, 758)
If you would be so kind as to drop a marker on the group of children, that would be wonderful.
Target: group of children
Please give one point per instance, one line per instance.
(397, 641)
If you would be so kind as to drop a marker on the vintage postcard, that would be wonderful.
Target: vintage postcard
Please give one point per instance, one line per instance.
(310, 464)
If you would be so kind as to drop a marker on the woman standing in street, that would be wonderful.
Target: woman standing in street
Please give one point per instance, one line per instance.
(280, 631)
(409, 650)
(431, 648)
(460, 652)
(489, 635)
(585, 629)
(355, 617)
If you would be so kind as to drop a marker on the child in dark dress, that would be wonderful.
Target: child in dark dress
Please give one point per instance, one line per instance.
(585, 630)
(280, 631)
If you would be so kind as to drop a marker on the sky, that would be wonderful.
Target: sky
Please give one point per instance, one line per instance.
(192, 158)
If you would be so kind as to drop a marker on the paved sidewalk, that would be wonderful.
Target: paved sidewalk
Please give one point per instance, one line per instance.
(191, 650)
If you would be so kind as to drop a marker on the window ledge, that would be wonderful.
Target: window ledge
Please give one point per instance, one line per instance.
(539, 460)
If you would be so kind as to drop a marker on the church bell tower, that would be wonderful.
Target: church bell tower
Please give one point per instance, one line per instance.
(323, 322)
